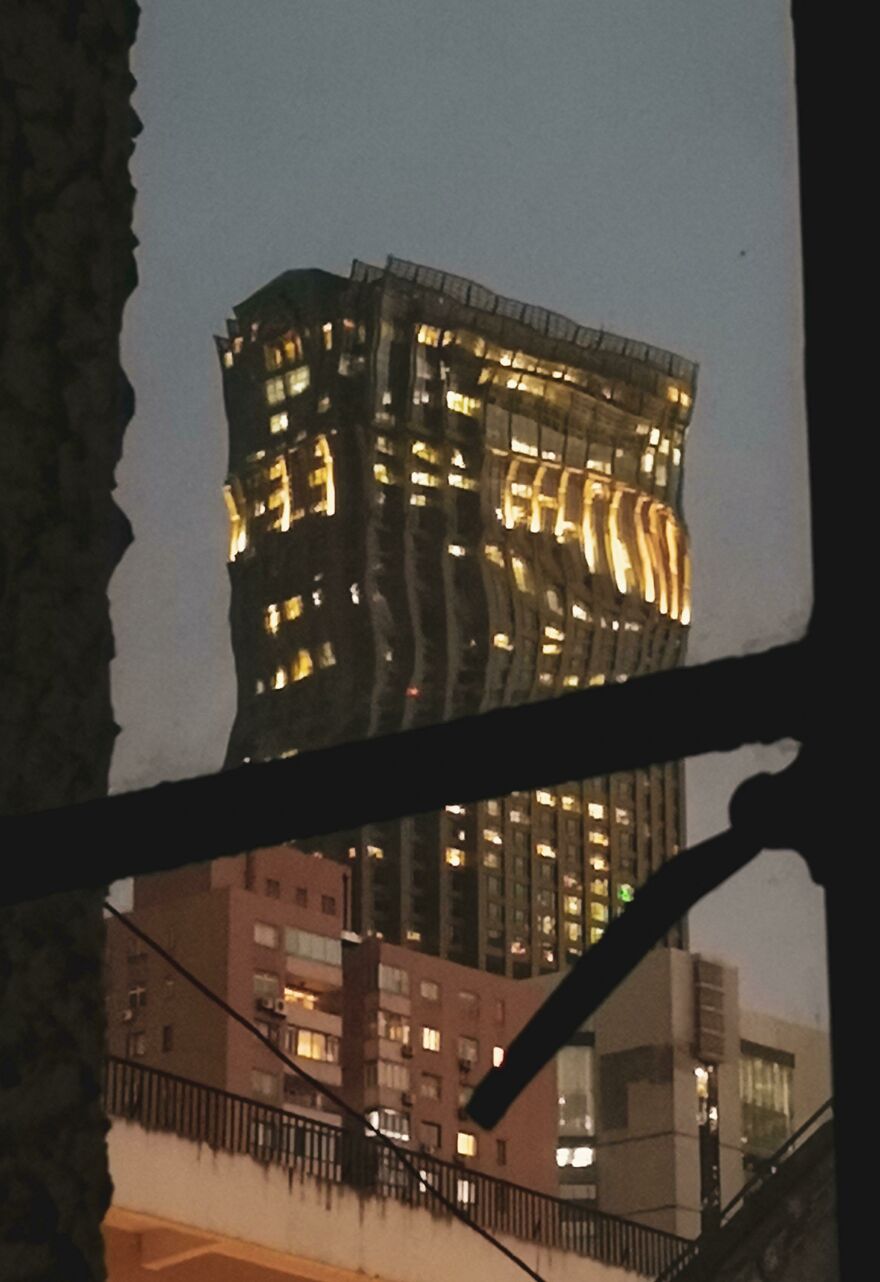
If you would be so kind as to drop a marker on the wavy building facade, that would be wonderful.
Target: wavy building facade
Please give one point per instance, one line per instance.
(443, 501)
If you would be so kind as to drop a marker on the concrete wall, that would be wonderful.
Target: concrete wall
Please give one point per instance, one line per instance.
(239, 1198)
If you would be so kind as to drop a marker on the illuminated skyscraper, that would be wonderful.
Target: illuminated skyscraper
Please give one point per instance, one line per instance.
(441, 502)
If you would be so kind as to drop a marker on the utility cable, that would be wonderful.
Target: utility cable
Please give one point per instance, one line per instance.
(401, 1154)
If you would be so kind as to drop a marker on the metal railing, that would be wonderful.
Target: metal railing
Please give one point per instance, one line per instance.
(768, 1168)
(162, 1101)
(551, 324)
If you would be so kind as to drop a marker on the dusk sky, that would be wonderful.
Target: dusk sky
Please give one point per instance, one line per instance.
(628, 163)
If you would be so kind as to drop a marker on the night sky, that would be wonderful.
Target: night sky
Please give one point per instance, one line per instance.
(627, 163)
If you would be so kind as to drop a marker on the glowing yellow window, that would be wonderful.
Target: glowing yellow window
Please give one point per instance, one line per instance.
(375, 852)
(545, 851)
(272, 619)
(228, 359)
(455, 809)
(459, 482)
(599, 912)
(292, 607)
(595, 810)
(279, 681)
(596, 933)
(502, 641)
(318, 476)
(298, 380)
(674, 394)
(455, 857)
(573, 905)
(544, 798)
(466, 1144)
(571, 680)
(273, 356)
(278, 422)
(428, 335)
(469, 405)
(599, 862)
(302, 666)
(274, 390)
(598, 838)
(494, 554)
(327, 332)
(599, 886)
(430, 1038)
(522, 574)
(380, 472)
(569, 802)
(425, 478)
(491, 834)
(422, 450)
(326, 657)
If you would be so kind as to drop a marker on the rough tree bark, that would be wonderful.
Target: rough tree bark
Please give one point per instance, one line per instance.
(66, 268)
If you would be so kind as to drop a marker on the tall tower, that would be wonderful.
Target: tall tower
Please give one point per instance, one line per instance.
(443, 501)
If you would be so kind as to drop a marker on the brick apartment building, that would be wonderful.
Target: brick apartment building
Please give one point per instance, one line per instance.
(402, 1036)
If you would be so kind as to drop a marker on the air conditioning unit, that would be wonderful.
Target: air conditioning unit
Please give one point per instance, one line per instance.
(127, 1016)
(406, 1051)
(406, 1098)
(279, 1006)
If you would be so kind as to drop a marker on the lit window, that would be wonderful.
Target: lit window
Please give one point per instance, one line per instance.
(422, 450)
(598, 838)
(327, 332)
(595, 810)
(571, 681)
(581, 1155)
(599, 862)
(273, 619)
(676, 456)
(292, 607)
(429, 335)
(522, 574)
(456, 549)
(569, 802)
(494, 554)
(318, 476)
(621, 816)
(430, 1038)
(459, 404)
(492, 835)
(375, 852)
(317, 596)
(279, 681)
(260, 687)
(297, 380)
(418, 500)
(457, 458)
(265, 934)
(497, 1056)
(544, 798)
(466, 1144)
(579, 612)
(502, 641)
(228, 359)
(326, 657)
(388, 1122)
(278, 422)
(574, 932)
(274, 390)
(381, 474)
(518, 948)
(573, 905)
(459, 482)
(551, 648)
(308, 1044)
(599, 912)
(455, 809)
(302, 666)
(599, 886)
(648, 462)
(625, 893)
(455, 857)
(545, 851)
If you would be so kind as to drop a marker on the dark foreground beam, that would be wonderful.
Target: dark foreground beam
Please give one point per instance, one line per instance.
(660, 903)
(665, 717)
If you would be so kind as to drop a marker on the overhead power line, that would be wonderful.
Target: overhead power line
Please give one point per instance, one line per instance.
(400, 1154)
